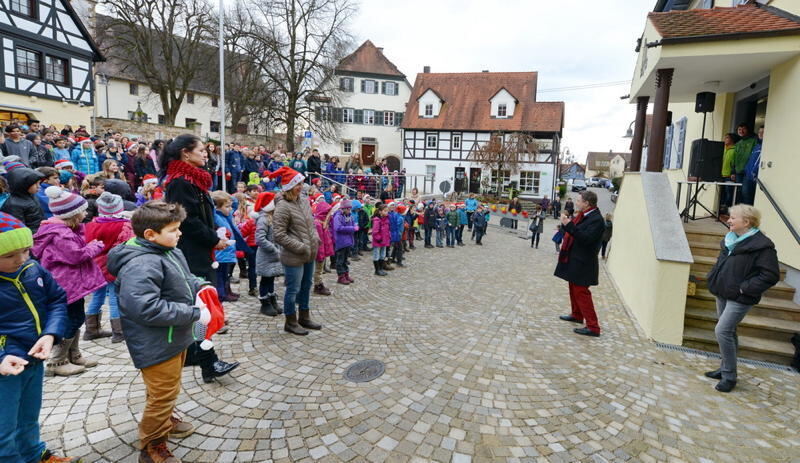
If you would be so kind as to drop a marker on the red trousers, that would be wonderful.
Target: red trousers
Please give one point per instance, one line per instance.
(582, 306)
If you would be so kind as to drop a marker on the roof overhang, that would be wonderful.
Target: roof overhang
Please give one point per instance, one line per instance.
(719, 64)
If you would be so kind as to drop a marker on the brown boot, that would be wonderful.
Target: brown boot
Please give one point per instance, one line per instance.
(93, 328)
(58, 364)
(306, 322)
(180, 428)
(291, 325)
(75, 356)
(116, 331)
(321, 290)
(157, 452)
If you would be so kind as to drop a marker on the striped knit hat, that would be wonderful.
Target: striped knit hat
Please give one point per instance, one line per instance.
(109, 204)
(14, 235)
(64, 204)
(13, 165)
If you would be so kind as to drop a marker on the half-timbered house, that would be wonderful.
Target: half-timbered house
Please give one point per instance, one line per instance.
(46, 63)
(450, 115)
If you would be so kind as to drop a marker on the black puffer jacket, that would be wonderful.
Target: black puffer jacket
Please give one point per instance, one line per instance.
(21, 204)
(745, 274)
(199, 231)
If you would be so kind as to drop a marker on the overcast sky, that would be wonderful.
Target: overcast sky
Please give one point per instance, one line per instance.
(569, 42)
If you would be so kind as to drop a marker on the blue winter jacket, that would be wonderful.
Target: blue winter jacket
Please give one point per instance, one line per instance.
(85, 160)
(396, 223)
(751, 169)
(21, 325)
(227, 255)
(274, 165)
(233, 161)
(44, 201)
(471, 204)
(462, 216)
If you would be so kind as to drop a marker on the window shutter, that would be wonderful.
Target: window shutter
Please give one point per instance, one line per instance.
(378, 117)
(342, 84)
(318, 113)
(363, 85)
(398, 119)
(383, 88)
(358, 117)
(396, 88)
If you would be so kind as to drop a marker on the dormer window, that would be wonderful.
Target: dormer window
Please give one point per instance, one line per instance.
(502, 104)
(428, 110)
(501, 110)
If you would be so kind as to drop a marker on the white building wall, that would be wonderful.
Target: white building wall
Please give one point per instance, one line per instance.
(115, 101)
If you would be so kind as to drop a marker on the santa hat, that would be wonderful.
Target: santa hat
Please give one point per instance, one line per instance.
(401, 209)
(64, 164)
(290, 178)
(208, 297)
(149, 178)
(420, 207)
(83, 139)
(263, 200)
(315, 181)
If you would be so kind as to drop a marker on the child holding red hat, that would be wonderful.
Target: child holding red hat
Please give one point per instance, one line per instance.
(268, 255)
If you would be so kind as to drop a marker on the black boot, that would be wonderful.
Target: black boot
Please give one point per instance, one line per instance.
(378, 270)
(274, 299)
(211, 366)
(267, 308)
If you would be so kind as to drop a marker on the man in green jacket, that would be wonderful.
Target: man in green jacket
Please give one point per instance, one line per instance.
(742, 151)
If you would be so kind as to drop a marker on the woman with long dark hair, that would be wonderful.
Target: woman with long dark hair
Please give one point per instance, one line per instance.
(187, 183)
(212, 166)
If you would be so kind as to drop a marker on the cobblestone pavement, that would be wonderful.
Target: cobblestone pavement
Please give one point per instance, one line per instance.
(478, 368)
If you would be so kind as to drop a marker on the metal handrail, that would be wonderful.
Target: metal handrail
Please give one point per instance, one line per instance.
(778, 210)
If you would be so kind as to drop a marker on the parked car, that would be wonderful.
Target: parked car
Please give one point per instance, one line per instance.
(578, 184)
(595, 182)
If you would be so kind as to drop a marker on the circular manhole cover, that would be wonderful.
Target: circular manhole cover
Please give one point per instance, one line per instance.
(364, 371)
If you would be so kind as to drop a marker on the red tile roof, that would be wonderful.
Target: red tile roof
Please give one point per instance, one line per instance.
(466, 103)
(721, 23)
(369, 59)
(594, 156)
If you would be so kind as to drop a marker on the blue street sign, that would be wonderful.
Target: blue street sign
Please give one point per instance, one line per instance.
(307, 134)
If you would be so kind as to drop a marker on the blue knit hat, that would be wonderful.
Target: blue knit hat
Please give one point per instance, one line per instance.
(14, 235)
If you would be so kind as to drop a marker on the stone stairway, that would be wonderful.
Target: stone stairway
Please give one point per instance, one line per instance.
(765, 332)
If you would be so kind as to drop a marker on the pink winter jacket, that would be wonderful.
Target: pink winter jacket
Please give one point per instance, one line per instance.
(325, 238)
(65, 254)
(380, 231)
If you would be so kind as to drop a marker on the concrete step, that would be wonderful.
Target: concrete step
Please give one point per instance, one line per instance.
(703, 248)
(749, 347)
(781, 290)
(703, 265)
(772, 307)
(704, 237)
(757, 326)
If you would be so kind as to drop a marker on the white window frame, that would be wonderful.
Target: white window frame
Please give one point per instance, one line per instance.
(391, 88)
(456, 142)
(388, 118)
(429, 110)
(345, 145)
(368, 83)
(502, 110)
(430, 172)
(434, 139)
(369, 117)
(505, 177)
(530, 181)
(347, 115)
(348, 84)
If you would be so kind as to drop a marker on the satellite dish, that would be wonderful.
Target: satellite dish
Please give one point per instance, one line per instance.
(444, 187)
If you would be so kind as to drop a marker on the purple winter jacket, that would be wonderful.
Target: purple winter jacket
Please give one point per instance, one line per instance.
(65, 254)
(380, 231)
(343, 230)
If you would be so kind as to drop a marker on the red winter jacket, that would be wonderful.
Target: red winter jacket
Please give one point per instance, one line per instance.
(248, 230)
(111, 231)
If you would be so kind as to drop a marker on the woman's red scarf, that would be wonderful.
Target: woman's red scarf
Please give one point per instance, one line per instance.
(194, 175)
(569, 240)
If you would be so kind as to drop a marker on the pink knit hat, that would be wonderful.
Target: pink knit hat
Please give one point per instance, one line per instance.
(64, 204)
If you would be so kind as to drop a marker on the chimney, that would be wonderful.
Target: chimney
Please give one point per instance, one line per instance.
(485, 70)
(426, 69)
(380, 49)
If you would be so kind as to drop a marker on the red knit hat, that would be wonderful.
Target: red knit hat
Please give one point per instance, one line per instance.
(263, 200)
(290, 178)
(401, 209)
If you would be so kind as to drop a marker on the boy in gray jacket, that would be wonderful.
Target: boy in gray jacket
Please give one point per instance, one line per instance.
(158, 307)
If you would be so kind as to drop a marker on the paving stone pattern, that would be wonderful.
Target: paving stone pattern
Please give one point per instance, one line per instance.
(478, 368)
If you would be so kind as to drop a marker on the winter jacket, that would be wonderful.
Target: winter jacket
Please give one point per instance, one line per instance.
(430, 216)
(314, 164)
(452, 218)
(294, 231)
(21, 204)
(227, 255)
(369, 211)
(233, 161)
(144, 166)
(344, 227)
(608, 231)
(268, 256)
(199, 234)
(248, 231)
(396, 226)
(751, 168)
(582, 268)
(85, 160)
(22, 325)
(479, 221)
(440, 222)
(742, 151)
(42, 158)
(747, 272)
(323, 231)
(64, 252)
(381, 236)
(274, 165)
(44, 201)
(156, 293)
(537, 223)
(471, 204)
(727, 162)
(123, 190)
(111, 231)
(463, 218)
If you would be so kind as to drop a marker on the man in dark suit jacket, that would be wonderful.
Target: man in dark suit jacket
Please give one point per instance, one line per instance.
(577, 261)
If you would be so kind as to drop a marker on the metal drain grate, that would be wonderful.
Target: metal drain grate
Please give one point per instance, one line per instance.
(364, 371)
(714, 355)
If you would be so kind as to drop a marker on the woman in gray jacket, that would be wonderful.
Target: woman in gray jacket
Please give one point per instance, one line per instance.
(295, 232)
(268, 257)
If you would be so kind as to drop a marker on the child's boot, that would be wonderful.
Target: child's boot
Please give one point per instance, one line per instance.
(343, 280)
(58, 364)
(48, 457)
(157, 452)
(386, 265)
(274, 299)
(211, 366)
(267, 308)
(94, 328)
(378, 270)
(321, 290)
(116, 331)
(75, 356)
(347, 275)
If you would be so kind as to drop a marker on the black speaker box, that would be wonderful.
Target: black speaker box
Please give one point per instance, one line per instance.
(704, 102)
(706, 160)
